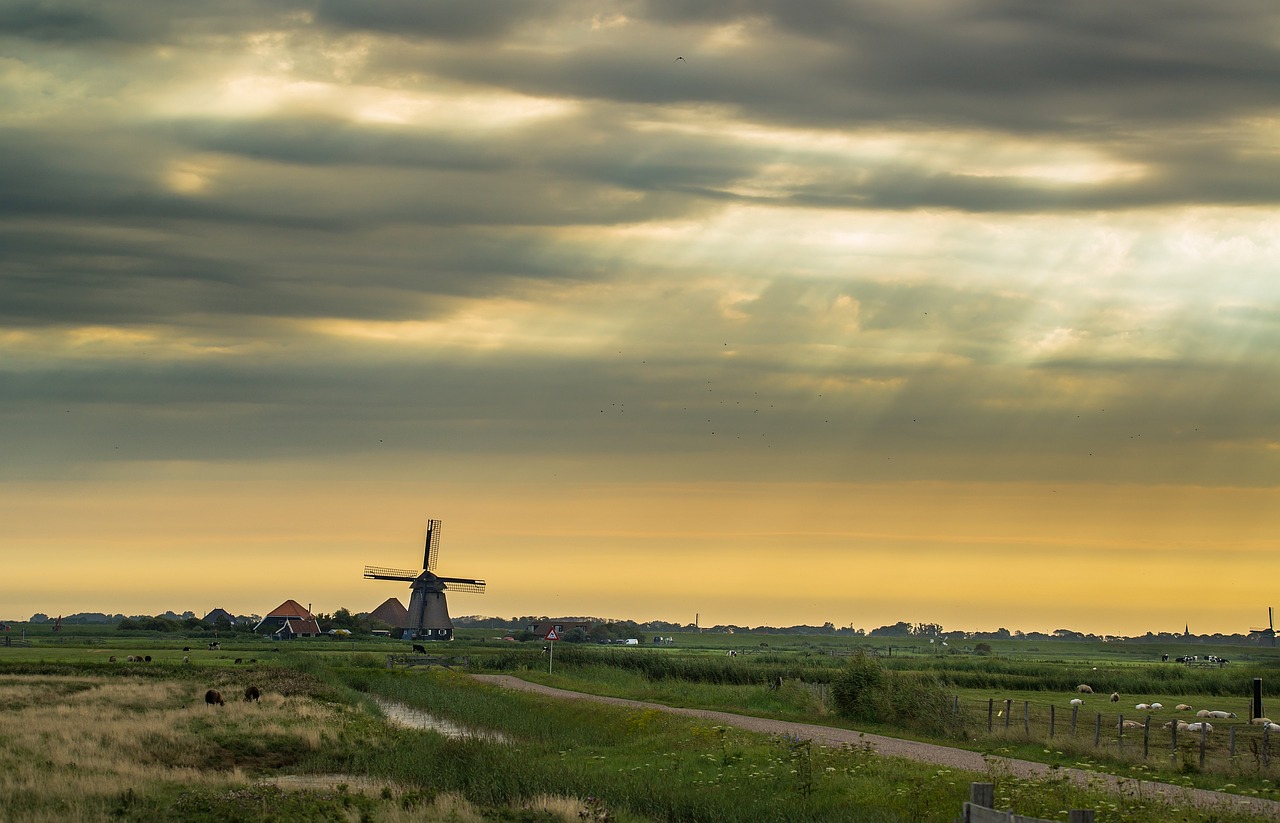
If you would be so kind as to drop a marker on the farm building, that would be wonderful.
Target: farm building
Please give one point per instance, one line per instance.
(561, 626)
(289, 620)
(392, 612)
(217, 615)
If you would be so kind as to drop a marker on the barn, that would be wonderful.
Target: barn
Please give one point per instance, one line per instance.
(218, 615)
(289, 620)
(392, 612)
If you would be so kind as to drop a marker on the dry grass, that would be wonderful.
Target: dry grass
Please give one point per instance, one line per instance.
(67, 744)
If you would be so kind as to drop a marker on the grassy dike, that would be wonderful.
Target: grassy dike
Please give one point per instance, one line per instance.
(80, 741)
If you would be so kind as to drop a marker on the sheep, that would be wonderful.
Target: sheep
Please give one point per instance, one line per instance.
(1115, 697)
(1075, 701)
(111, 659)
(251, 694)
(213, 697)
(186, 659)
(1182, 725)
(1130, 724)
(239, 660)
(1261, 721)
(186, 648)
(1183, 707)
(131, 659)
(1084, 688)
(147, 658)
(1157, 706)
(1142, 707)
(1197, 726)
(1271, 727)
(1202, 713)
(1220, 715)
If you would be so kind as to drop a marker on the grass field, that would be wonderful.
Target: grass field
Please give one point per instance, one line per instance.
(82, 738)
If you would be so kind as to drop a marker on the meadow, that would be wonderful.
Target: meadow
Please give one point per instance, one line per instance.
(82, 738)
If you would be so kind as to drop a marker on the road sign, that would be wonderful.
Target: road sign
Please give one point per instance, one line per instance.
(551, 635)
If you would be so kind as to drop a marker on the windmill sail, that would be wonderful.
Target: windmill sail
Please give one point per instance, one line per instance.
(428, 613)
(432, 554)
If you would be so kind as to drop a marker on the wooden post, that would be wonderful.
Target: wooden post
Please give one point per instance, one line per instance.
(1026, 717)
(983, 794)
(1120, 733)
(1075, 710)
(1051, 722)
(991, 710)
(1008, 710)
(1146, 738)
(1173, 736)
(1257, 698)
(1204, 733)
(1080, 816)
(1097, 730)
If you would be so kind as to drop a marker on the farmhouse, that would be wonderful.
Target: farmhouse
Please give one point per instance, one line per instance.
(392, 612)
(289, 620)
(561, 626)
(218, 615)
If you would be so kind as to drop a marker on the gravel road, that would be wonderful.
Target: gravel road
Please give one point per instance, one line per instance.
(928, 752)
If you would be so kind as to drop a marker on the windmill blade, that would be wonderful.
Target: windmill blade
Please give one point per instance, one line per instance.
(432, 553)
(459, 584)
(381, 573)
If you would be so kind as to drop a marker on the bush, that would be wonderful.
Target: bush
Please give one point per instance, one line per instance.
(865, 690)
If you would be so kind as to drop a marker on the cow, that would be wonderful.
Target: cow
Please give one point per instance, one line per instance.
(251, 694)
(213, 697)
(418, 648)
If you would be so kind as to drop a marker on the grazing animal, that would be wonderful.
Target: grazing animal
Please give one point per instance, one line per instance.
(418, 648)
(1129, 724)
(1271, 727)
(1075, 701)
(1197, 726)
(1202, 713)
(1261, 721)
(147, 658)
(130, 659)
(1182, 707)
(251, 694)
(213, 697)
(186, 659)
(111, 659)
(1220, 715)
(1182, 725)
(1142, 706)
(239, 659)
(1157, 705)
(213, 647)
(1115, 697)
(186, 648)
(1084, 688)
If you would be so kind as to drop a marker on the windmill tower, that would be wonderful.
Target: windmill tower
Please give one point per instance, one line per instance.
(428, 611)
(1268, 635)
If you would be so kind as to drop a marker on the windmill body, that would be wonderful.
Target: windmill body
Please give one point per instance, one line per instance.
(428, 609)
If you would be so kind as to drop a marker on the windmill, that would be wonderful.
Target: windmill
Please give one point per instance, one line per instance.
(428, 612)
(1267, 635)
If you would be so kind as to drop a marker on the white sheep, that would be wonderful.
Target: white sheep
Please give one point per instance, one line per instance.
(1220, 715)
(1115, 697)
(1142, 707)
(1157, 706)
(1261, 721)
(1183, 707)
(1075, 701)
(1195, 727)
(1182, 725)
(1271, 727)
(1130, 724)
(1202, 713)
(186, 659)
(1084, 688)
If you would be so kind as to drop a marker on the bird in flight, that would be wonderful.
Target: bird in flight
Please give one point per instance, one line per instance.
(681, 60)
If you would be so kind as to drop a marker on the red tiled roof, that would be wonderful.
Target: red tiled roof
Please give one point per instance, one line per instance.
(290, 608)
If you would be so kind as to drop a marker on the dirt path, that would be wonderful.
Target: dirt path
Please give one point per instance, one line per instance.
(928, 752)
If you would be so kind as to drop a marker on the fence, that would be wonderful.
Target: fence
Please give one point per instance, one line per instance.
(409, 661)
(979, 809)
(1229, 739)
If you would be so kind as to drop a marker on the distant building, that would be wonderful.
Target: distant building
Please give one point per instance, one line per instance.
(392, 612)
(219, 614)
(561, 626)
(289, 620)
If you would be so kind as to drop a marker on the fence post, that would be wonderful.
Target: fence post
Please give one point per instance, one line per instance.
(1173, 736)
(983, 794)
(1008, 710)
(1257, 698)
(1026, 717)
(1146, 738)
(1075, 710)
(1120, 733)
(1080, 816)
(1051, 722)
(991, 708)
(1097, 730)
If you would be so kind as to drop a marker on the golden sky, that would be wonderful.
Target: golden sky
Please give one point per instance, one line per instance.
(860, 312)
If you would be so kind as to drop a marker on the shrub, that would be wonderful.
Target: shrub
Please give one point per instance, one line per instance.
(865, 690)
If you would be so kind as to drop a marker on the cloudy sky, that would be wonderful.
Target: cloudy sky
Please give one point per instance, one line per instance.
(763, 311)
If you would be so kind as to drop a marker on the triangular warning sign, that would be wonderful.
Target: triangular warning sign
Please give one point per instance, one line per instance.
(551, 635)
